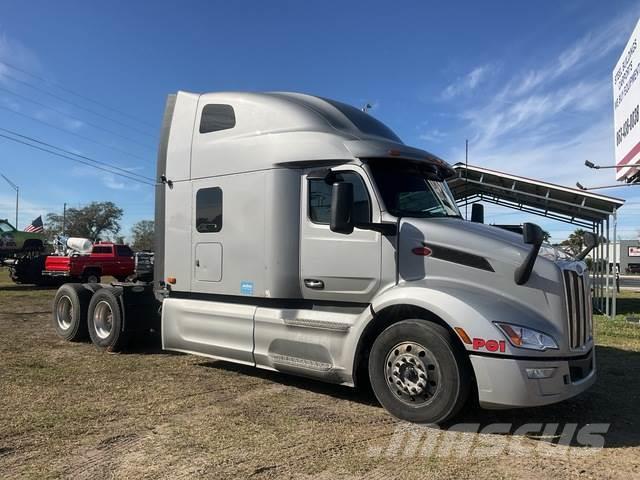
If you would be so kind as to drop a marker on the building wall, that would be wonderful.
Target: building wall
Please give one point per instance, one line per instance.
(624, 247)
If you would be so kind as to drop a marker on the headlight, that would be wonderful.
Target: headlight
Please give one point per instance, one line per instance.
(522, 337)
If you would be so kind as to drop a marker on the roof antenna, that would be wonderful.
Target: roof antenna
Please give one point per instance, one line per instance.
(367, 106)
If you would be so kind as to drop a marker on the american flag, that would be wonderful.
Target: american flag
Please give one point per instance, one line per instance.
(36, 226)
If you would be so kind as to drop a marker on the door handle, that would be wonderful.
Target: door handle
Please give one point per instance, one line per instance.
(313, 283)
(197, 262)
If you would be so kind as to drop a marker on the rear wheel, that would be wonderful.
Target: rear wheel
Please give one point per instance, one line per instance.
(418, 372)
(70, 307)
(91, 276)
(105, 320)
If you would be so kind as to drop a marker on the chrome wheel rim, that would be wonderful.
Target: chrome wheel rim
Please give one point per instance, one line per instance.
(413, 374)
(64, 312)
(103, 319)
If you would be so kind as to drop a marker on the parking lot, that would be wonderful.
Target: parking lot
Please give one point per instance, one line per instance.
(69, 410)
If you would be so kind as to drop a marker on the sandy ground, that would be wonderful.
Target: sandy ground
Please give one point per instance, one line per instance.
(68, 410)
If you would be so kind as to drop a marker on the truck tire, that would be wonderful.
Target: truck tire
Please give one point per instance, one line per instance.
(28, 269)
(33, 246)
(70, 307)
(106, 321)
(418, 372)
(91, 276)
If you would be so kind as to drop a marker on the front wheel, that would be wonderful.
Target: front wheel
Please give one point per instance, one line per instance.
(418, 372)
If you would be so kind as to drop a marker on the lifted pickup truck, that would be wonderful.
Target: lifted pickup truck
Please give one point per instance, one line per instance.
(13, 241)
(105, 259)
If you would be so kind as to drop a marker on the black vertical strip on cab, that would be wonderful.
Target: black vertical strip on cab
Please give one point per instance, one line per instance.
(161, 169)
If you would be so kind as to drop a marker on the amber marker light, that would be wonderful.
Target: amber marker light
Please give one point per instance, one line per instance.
(463, 335)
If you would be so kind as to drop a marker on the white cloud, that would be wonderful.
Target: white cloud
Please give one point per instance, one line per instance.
(532, 115)
(434, 135)
(16, 54)
(109, 180)
(467, 83)
(588, 49)
(73, 124)
(27, 210)
(549, 118)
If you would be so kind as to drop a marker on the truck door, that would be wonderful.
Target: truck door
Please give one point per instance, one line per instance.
(124, 260)
(334, 266)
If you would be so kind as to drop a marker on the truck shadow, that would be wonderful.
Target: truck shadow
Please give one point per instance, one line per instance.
(25, 288)
(613, 401)
(625, 306)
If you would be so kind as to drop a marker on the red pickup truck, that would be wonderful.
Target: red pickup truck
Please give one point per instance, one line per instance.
(105, 259)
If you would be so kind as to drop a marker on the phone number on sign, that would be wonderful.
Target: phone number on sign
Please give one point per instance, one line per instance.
(628, 125)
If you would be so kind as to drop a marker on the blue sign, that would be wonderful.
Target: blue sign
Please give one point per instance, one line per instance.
(246, 288)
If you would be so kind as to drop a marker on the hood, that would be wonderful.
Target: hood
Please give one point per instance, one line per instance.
(477, 239)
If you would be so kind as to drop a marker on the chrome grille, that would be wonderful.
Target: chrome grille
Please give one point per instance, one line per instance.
(579, 314)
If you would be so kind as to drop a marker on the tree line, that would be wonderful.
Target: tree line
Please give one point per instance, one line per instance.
(99, 221)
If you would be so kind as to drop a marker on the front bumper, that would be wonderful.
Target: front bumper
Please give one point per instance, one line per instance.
(503, 382)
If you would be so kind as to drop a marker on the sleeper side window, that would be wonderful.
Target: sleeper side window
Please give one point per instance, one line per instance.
(216, 117)
(209, 210)
(320, 199)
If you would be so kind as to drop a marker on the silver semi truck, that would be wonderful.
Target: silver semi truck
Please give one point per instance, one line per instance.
(299, 234)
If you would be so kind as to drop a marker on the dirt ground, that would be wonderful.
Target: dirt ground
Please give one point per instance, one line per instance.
(68, 410)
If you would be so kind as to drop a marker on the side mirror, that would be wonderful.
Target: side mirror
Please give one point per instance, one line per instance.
(341, 207)
(532, 234)
(590, 242)
(477, 213)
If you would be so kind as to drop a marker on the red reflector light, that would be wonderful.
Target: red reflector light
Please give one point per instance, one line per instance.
(422, 251)
(394, 153)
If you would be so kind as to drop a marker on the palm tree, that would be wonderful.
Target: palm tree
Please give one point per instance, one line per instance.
(575, 243)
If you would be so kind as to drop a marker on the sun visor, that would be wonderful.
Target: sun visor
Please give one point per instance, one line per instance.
(381, 149)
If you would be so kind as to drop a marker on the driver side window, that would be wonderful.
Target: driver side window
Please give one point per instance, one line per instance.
(320, 199)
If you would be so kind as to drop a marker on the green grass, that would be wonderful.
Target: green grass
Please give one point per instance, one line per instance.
(69, 410)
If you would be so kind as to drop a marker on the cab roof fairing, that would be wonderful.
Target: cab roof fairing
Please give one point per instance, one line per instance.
(266, 118)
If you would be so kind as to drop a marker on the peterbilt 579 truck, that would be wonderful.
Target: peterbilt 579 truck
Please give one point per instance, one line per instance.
(300, 234)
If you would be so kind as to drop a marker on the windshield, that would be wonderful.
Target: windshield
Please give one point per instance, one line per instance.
(410, 189)
(4, 227)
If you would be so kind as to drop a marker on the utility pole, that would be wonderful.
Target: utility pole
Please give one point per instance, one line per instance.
(64, 219)
(17, 189)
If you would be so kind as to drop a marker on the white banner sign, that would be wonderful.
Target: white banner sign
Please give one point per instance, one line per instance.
(634, 251)
(626, 110)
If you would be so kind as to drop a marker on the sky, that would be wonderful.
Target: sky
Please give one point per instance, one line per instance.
(527, 83)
